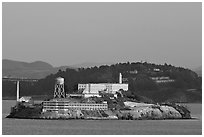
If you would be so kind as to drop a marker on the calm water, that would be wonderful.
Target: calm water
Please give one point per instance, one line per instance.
(101, 127)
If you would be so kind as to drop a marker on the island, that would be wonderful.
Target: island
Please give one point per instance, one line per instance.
(109, 103)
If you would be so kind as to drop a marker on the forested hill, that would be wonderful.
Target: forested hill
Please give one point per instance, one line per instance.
(158, 83)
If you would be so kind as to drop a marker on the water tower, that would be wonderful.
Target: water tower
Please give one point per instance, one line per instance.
(59, 88)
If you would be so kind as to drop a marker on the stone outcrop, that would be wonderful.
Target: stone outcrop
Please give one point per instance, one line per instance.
(151, 111)
(169, 112)
(68, 114)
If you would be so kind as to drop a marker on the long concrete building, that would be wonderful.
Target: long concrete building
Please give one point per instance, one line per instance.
(60, 105)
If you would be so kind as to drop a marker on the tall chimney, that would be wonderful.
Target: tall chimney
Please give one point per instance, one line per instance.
(17, 90)
(120, 78)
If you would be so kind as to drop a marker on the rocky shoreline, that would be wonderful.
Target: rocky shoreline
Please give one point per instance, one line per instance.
(140, 111)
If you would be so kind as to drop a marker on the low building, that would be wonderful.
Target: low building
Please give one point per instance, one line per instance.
(26, 99)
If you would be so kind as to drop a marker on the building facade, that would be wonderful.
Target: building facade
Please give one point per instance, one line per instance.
(93, 89)
(66, 105)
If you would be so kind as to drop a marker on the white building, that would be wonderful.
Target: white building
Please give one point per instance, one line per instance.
(156, 69)
(26, 99)
(162, 79)
(93, 89)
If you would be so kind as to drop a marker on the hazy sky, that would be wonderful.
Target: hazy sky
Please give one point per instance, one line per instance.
(72, 33)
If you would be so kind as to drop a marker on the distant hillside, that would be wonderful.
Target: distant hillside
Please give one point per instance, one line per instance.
(186, 85)
(35, 70)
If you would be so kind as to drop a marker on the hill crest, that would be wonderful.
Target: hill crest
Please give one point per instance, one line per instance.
(35, 70)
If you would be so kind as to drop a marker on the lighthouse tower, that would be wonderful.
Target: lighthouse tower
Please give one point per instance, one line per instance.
(17, 90)
(120, 78)
(59, 88)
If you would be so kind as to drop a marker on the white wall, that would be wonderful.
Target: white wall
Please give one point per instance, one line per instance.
(108, 87)
(117, 87)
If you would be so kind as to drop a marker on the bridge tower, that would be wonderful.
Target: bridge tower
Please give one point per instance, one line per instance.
(59, 88)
